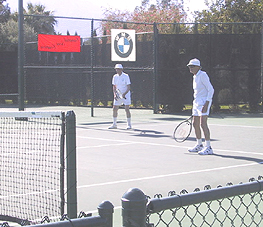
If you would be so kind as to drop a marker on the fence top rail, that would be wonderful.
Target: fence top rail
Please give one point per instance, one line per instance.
(90, 19)
(111, 69)
(206, 23)
(146, 23)
(158, 204)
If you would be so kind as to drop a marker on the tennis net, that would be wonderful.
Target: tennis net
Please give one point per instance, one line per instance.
(32, 165)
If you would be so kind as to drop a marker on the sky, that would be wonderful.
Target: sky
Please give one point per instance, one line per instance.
(89, 9)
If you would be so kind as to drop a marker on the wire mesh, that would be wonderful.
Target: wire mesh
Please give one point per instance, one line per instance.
(239, 210)
(30, 174)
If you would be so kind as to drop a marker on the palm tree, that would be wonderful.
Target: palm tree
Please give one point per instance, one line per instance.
(42, 21)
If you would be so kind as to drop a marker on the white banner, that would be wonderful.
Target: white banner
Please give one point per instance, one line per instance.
(123, 45)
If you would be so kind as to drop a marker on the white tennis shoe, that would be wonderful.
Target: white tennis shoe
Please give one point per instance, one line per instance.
(113, 126)
(196, 148)
(206, 151)
(129, 127)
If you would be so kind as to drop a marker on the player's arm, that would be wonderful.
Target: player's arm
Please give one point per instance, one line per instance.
(210, 92)
(128, 89)
(114, 90)
(205, 107)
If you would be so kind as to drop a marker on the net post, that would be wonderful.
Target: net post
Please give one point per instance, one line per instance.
(71, 165)
(62, 164)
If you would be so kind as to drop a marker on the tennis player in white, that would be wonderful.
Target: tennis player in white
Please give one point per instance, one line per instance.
(203, 94)
(122, 82)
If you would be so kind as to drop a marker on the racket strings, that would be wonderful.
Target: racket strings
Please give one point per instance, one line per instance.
(182, 131)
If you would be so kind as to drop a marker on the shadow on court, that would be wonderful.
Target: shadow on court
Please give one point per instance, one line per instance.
(251, 159)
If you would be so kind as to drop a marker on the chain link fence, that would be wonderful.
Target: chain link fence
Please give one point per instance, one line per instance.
(231, 54)
(84, 78)
(233, 205)
(230, 205)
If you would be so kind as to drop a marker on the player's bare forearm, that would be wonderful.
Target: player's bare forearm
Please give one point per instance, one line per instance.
(205, 107)
(128, 89)
(114, 91)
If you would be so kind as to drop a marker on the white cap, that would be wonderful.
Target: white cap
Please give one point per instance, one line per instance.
(118, 66)
(194, 61)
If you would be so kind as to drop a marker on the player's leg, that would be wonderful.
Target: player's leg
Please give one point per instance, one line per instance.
(207, 149)
(127, 103)
(198, 134)
(115, 111)
(115, 115)
(128, 115)
(205, 127)
(197, 128)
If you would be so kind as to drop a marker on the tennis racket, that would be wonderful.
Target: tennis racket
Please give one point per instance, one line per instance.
(118, 95)
(183, 130)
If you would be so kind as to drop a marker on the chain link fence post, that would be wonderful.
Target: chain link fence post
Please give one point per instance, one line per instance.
(106, 210)
(261, 68)
(21, 53)
(155, 70)
(134, 208)
(92, 67)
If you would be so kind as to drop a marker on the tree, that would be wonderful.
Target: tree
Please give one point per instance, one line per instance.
(164, 11)
(32, 25)
(4, 11)
(40, 24)
(9, 34)
(232, 11)
(112, 16)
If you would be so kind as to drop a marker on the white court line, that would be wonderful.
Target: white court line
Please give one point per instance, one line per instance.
(91, 127)
(167, 175)
(238, 126)
(106, 145)
(124, 142)
(240, 152)
(29, 193)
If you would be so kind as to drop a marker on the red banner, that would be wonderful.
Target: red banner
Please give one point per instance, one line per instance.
(58, 43)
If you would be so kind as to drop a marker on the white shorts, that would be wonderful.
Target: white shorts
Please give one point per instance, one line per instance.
(198, 106)
(126, 101)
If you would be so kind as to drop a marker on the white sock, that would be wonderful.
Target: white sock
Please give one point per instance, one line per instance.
(199, 141)
(115, 120)
(207, 143)
(129, 121)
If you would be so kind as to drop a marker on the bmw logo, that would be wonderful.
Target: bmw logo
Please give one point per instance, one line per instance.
(123, 44)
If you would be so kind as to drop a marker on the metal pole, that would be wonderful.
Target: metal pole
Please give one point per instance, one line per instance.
(261, 87)
(62, 164)
(71, 165)
(92, 74)
(21, 47)
(155, 67)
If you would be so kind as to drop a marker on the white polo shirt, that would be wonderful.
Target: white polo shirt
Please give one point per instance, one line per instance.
(121, 81)
(203, 89)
